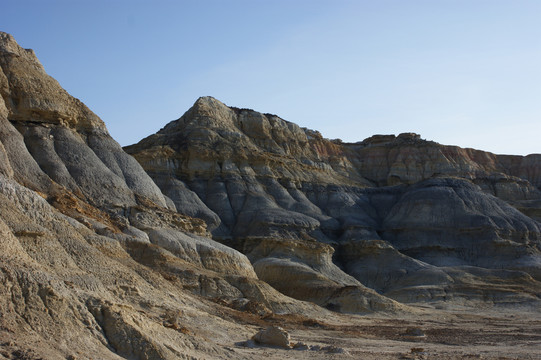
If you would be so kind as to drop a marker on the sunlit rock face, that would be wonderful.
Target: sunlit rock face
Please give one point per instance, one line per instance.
(409, 218)
(94, 258)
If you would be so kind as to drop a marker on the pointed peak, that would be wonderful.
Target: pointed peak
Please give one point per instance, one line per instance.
(209, 102)
(206, 99)
(209, 106)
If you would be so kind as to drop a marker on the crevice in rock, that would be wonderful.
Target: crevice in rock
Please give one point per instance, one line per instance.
(94, 309)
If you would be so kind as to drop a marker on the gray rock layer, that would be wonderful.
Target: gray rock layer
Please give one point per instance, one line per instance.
(411, 219)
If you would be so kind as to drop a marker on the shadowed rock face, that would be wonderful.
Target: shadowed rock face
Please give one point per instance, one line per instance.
(238, 170)
(410, 218)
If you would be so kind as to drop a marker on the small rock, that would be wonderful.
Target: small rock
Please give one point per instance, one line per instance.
(172, 317)
(273, 336)
(300, 346)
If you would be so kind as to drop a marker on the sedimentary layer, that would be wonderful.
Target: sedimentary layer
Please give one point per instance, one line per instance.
(412, 219)
(94, 259)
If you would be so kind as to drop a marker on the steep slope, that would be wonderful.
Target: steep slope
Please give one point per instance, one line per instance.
(235, 185)
(94, 259)
(410, 218)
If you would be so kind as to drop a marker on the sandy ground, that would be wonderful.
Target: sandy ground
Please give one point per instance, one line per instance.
(429, 334)
(420, 333)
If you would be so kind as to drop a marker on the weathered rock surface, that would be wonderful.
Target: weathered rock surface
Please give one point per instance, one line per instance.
(320, 220)
(99, 257)
(273, 336)
(243, 167)
(92, 255)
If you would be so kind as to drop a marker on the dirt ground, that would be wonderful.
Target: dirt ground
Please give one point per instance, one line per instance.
(428, 334)
(419, 333)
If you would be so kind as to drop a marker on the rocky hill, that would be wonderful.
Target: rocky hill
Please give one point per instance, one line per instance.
(228, 219)
(412, 219)
(94, 259)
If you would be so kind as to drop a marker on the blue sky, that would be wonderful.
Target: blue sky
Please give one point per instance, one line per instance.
(459, 72)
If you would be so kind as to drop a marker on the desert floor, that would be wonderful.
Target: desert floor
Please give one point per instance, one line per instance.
(427, 334)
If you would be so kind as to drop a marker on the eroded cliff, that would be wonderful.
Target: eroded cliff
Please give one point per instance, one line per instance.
(412, 219)
(94, 259)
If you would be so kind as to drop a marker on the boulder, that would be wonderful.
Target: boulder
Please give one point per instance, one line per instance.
(273, 336)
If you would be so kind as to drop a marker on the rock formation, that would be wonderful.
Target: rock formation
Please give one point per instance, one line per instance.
(412, 219)
(228, 213)
(93, 257)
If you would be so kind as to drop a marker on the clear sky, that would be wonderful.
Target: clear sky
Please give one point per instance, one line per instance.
(459, 72)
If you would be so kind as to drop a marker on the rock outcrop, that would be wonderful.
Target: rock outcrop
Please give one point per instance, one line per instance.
(93, 257)
(250, 172)
(320, 220)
